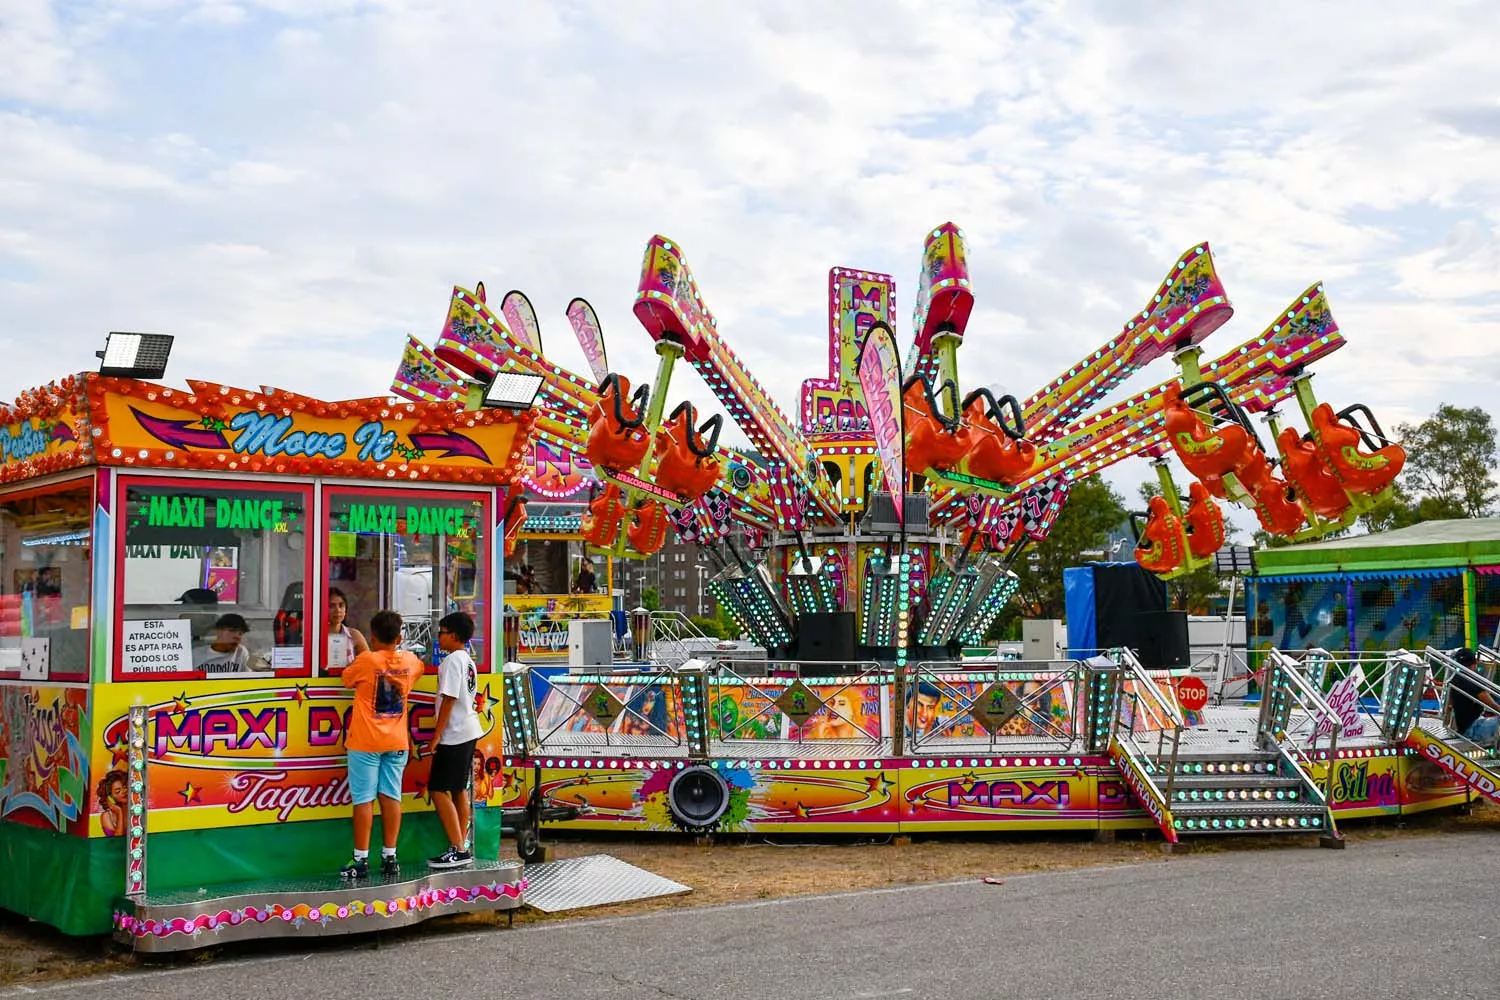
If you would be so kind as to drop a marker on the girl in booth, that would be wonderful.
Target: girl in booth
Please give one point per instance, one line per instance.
(344, 643)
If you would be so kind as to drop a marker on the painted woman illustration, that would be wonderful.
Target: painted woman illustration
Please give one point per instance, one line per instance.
(646, 714)
(110, 794)
(842, 718)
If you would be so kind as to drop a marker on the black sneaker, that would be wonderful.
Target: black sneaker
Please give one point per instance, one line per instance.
(451, 858)
(358, 868)
(390, 867)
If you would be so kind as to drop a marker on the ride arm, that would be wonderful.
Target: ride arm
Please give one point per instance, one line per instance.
(1188, 306)
(669, 305)
(1256, 375)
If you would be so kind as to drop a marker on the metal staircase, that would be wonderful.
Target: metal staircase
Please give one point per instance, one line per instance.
(1251, 792)
(1434, 736)
(674, 639)
(1211, 781)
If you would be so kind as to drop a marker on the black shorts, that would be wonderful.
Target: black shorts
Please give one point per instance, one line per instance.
(452, 767)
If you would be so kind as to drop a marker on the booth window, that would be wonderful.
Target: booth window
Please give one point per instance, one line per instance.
(421, 553)
(211, 579)
(45, 581)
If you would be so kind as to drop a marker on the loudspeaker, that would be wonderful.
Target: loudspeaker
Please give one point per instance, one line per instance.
(1123, 593)
(827, 636)
(1163, 640)
(697, 797)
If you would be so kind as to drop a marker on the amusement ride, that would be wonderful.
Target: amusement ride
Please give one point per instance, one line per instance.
(864, 549)
(900, 487)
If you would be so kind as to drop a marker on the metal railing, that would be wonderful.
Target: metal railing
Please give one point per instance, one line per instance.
(951, 705)
(1292, 707)
(1144, 708)
(610, 709)
(759, 702)
(1359, 686)
(671, 632)
(536, 635)
(991, 654)
(1458, 683)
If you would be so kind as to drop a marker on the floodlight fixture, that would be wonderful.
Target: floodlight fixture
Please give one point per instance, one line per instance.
(1234, 560)
(513, 391)
(135, 355)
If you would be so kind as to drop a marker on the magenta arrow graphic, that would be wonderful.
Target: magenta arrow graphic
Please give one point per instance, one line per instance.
(179, 433)
(62, 432)
(451, 444)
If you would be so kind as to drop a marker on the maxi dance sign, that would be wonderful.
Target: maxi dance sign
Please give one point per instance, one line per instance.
(253, 751)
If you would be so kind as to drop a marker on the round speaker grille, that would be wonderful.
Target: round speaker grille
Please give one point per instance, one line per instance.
(697, 797)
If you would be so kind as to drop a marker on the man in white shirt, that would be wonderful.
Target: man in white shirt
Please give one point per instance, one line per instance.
(457, 729)
(227, 653)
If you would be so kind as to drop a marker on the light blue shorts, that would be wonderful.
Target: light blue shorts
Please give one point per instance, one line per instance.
(1484, 729)
(372, 774)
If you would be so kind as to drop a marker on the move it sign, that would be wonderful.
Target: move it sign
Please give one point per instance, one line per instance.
(227, 429)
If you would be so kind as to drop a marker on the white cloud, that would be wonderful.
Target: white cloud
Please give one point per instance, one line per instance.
(293, 186)
(43, 66)
(214, 12)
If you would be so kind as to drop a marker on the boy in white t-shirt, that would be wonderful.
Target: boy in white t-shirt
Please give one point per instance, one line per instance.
(227, 653)
(458, 728)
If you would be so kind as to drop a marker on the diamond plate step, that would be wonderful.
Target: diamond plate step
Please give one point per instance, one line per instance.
(312, 906)
(1287, 808)
(1302, 820)
(1244, 795)
(596, 880)
(1236, 781)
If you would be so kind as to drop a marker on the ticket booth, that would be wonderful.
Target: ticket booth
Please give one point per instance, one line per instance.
(171, 711)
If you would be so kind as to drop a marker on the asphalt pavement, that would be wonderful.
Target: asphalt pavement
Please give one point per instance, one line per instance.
(1409, 917)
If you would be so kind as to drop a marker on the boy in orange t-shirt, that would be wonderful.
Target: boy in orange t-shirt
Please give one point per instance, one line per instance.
(378, 739)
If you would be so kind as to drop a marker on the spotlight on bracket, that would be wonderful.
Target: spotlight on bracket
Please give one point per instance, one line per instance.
(135, 355)
(512, 391)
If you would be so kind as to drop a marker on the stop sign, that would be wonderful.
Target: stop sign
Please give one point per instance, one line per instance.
(1192, 693)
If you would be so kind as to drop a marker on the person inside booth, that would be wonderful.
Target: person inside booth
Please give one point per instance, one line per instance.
(344, 642)
(585, 582)
(211, 577)
(227, 654)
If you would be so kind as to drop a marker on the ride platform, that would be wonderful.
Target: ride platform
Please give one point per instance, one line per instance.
(185, 920)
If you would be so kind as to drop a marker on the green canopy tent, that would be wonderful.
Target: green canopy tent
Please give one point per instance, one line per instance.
(1433, 584)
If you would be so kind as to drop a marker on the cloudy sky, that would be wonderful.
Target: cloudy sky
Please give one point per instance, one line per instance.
(290, 186)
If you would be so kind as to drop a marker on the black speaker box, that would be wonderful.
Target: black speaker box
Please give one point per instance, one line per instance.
(1163, 641)
(826, 637)
(1123, 592)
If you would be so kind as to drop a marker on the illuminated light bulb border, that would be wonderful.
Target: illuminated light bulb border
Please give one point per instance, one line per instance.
(903, 609)
(137, 801)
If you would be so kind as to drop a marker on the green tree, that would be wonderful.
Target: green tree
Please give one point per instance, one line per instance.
(1193, 591)
(651, 599)
(711, 627)
(1449, 472)
(728, 627)
(1093, 510)
(1402, 510)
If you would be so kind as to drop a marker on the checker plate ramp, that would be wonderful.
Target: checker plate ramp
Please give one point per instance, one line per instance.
(574, 883)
